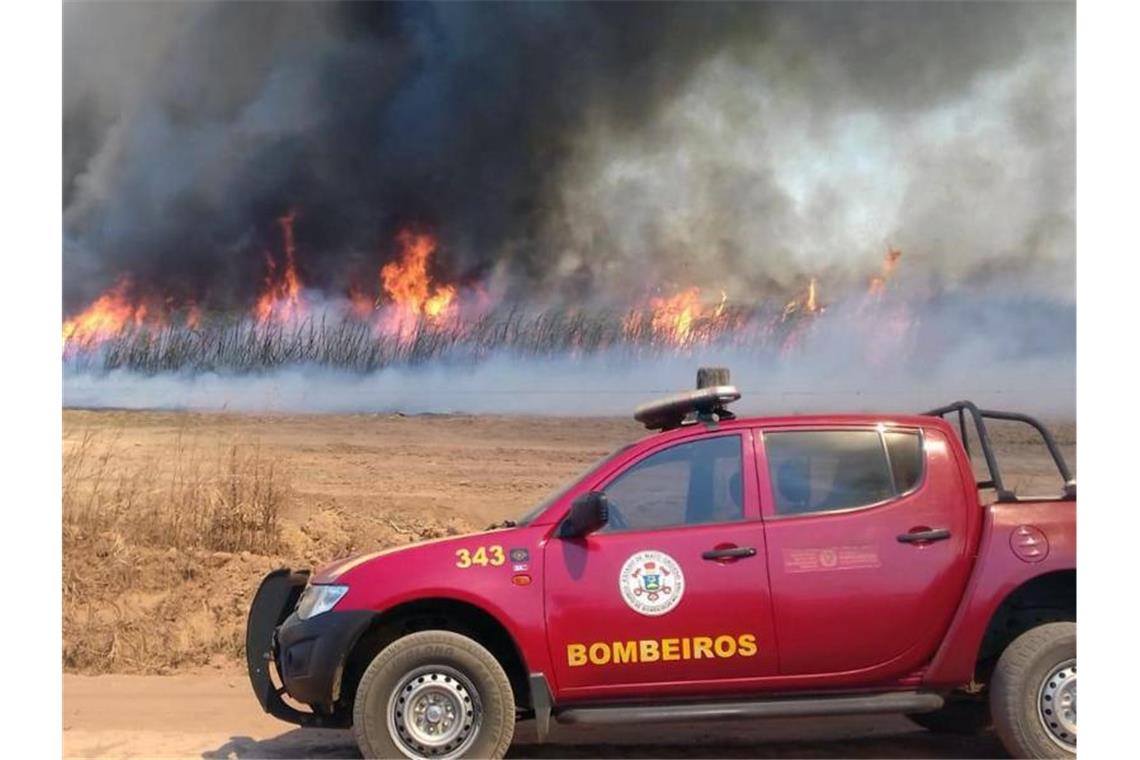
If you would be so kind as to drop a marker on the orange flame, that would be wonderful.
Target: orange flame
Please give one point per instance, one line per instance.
(281, 298)
(673, 317)
(803, 304)
(409, 285)
(677, 319)
(106, 317)
(409, 298)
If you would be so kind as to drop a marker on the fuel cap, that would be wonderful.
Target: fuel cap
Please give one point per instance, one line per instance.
(1028, 542)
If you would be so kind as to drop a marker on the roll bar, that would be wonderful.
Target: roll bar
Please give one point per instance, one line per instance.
(979, 417)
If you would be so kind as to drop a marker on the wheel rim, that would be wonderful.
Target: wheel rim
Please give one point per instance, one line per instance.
(434, 712)
(1057, 704)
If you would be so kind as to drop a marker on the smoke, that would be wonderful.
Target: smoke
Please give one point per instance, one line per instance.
(588, 149)
(591, 153)
(982, 349)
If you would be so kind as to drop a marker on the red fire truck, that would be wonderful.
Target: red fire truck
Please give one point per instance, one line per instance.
(721, 567)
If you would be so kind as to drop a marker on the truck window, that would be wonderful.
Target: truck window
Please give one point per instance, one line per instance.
(905, 450)
(827, 470)
(688, 484)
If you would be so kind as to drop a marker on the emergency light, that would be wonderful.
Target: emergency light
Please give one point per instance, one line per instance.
(708, 403)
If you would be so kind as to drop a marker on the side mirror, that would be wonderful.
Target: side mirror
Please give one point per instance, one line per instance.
(588, 513)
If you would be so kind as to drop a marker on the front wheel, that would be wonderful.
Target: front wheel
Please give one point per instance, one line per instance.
(434, 694)
(1033, 693)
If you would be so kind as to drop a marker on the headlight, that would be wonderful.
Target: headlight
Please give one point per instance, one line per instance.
(317, 599)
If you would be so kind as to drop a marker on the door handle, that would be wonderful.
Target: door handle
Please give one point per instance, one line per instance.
(736, 552)
(924, 536)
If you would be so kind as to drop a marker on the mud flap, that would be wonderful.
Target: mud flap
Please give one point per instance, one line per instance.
(275, 599)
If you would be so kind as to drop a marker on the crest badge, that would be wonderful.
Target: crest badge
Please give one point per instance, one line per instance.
(651, 582)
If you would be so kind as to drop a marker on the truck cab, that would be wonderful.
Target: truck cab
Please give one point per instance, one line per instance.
(720, 567)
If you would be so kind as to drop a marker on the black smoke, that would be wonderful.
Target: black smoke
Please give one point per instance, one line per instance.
(581, 147)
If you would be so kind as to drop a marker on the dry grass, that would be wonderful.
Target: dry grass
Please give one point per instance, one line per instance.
(162, 553)
(230, 504)
(138, 540)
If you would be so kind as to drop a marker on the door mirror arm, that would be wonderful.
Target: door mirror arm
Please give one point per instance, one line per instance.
(588, 513)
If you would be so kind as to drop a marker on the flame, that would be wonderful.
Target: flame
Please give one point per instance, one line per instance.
(409, 299)
(806, 303)
(680, 319)
(115, 313)
(281, 299)
(878, 282)
(409, 287)
(106, 317)
(673, 317)
(439, 303)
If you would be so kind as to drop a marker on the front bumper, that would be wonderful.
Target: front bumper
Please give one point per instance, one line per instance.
(308, 655)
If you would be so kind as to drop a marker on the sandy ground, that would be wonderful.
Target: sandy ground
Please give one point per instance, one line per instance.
(215, 715)
(459, 470)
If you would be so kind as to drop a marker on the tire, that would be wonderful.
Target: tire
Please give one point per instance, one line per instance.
(1034, 675)
(962, 716)
(458, 689)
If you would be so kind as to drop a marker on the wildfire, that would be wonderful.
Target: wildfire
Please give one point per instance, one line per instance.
(107, 316)
(673, 317)
(408, 285)
(890, 262)
(803, 304)
(404, 298)
(280, 300)
(676, 319)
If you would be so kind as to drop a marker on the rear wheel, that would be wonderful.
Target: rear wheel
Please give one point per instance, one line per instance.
(1034, 693)
(434, 694)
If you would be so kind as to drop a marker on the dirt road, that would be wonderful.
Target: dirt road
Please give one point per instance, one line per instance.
(214, 714)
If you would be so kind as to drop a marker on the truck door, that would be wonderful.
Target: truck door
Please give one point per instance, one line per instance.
(868, 550)
(672, 595)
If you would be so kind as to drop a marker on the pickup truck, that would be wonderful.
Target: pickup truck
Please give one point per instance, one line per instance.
(719, 568)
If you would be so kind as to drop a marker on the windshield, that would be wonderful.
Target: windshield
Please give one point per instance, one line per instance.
(540, 508)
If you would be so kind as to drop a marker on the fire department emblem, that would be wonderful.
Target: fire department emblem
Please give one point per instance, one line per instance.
(651, 582)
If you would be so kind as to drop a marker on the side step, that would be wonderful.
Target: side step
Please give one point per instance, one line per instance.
(888, 702)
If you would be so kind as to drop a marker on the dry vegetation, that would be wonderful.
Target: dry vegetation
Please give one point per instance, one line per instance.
(136, 539)
(232, 503)
(161, 557)
(344, 342)
(171, 519)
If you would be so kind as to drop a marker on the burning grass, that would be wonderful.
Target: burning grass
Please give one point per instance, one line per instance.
(408, 316)
(343, 341)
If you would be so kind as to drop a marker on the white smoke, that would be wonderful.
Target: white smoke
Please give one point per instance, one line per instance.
(781, 166)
